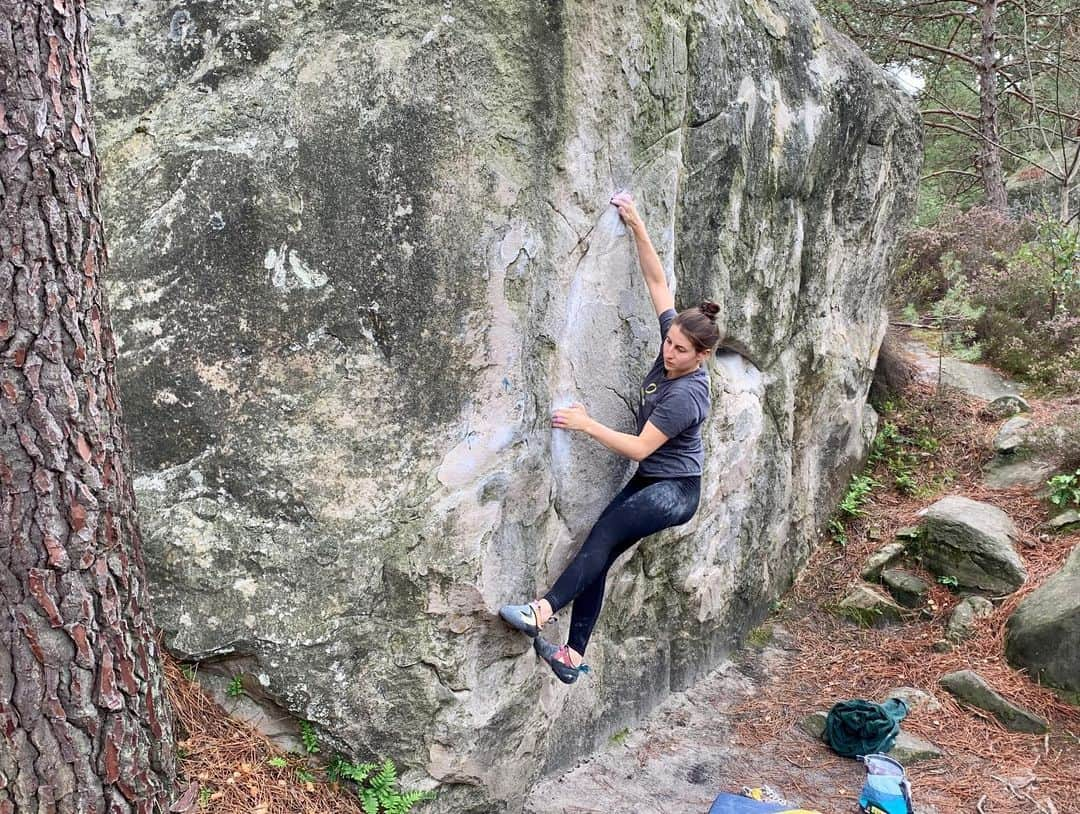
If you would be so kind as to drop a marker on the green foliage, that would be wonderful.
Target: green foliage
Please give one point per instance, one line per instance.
(838, 531)
(857, 494)
(376, 786)
(277, 762)
(1065, 489)
(619, 738)
(308, 738)
(1031, 323)
(305, 775)
(236, 687)
(760, 636)
(948, 580)
(205, 793)
(341, 769)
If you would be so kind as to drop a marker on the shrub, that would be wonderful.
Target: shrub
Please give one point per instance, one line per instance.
(961, 244)
(1030, 323)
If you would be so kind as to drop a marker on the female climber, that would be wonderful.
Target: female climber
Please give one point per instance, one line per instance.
(664, 491)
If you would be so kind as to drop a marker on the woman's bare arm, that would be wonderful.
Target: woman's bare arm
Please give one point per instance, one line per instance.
(651, 269)
(635, 447)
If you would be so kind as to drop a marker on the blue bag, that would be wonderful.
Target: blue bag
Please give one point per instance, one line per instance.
(886, 790)
(738, 804)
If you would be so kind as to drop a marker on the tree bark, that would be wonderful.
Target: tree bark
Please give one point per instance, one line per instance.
(85, 724)
(993, 177)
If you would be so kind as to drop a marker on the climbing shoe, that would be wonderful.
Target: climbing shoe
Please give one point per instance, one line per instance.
(558, 658)
(521, 617)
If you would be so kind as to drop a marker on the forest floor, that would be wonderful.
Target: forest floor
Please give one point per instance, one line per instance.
(739, 726)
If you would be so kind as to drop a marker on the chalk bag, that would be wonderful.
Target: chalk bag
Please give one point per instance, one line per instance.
(886, 790)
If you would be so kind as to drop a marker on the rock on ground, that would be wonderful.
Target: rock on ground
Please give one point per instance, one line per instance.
(1007, 405)
(880, 559)
(1043, 633)
(975, 380)
(909, 589)
(963, 617)
(971, 688)
(1011, 434)
(361, 251)
(972, 542)
(869, 607)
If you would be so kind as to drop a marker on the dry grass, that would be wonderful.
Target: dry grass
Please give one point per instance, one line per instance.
(225, 763)
(985, 768)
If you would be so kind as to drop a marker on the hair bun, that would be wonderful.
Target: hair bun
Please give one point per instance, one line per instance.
(709, 309)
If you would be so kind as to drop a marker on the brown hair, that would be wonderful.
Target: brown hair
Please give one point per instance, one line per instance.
(699, 325)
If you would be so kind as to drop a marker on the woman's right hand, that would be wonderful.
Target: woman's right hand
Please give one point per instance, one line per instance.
(624, 202)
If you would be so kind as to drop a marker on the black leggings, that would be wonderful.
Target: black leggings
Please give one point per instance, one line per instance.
(644, 506)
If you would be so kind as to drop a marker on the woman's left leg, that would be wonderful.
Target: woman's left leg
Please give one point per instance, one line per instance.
(664, 503)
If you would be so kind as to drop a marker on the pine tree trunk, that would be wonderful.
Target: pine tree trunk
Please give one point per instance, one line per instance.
(84, 720)
(993, 177)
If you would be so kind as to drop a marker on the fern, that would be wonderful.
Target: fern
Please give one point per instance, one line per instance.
(383, 782)
(340, 769)
(403, 803)
(376, 786)
(308, 737)
(370, 801)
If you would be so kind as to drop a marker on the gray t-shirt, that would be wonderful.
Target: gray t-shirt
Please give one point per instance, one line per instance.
(676, 407)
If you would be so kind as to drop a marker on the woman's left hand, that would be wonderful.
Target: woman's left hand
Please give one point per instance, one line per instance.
(573, 417)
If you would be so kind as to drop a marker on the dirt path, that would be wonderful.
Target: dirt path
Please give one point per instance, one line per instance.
(690, 749)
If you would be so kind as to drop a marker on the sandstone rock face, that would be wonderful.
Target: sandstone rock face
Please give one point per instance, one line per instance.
(360, 251)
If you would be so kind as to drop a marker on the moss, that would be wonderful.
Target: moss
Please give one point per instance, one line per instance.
(760, 636)
(863, 617)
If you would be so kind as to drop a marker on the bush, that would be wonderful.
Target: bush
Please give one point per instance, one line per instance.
(1030, 323)
(1004, 291)
(962, 244)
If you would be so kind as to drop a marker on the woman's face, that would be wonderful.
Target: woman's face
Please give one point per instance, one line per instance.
(680, 356)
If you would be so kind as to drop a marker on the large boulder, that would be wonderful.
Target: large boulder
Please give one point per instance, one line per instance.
(972, 543)
(1043, 633)
(360, 251)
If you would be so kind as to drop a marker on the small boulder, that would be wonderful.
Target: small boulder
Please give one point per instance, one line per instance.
(814, 724)
(917, 700)
(972, 542)
(1011, 434)
(909, 533)
(964, 615)
(907, 588)
(1043, 633)
(970, 688)
(908, 749)
(869, 607)
(880, 559)
(1064, 520)
(1004, 472)
(1007, 405)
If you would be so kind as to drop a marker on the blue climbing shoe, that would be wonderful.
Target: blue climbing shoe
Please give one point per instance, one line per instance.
(521, 617)
(558, 659)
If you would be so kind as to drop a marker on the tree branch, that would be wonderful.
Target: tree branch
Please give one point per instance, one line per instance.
(938, 50)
